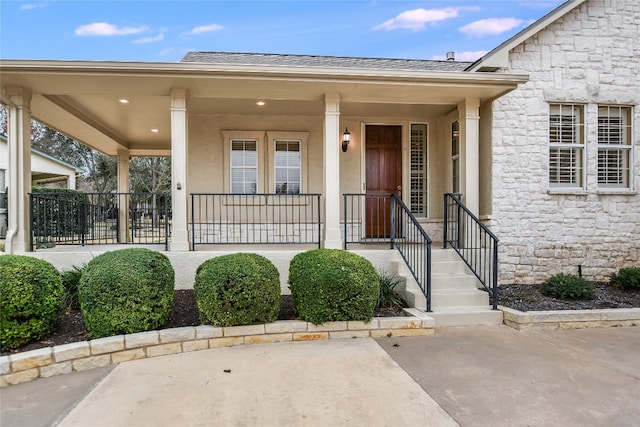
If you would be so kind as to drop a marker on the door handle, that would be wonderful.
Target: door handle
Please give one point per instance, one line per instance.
(399, 188)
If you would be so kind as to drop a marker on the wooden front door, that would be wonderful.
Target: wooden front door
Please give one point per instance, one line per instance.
(383, 160)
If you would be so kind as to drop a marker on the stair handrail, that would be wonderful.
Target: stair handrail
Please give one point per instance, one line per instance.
(405, 233)
(476, 245)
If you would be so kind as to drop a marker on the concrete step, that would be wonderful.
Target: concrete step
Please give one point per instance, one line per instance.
(453, 281)
(466, 316)
(459, 297)
(438, 254)
(448, 267)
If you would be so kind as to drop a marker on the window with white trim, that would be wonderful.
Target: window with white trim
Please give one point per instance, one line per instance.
(614, 146)
(455, 157)
(566, 146)
(287, 161)
(419, 187)
(244, 166)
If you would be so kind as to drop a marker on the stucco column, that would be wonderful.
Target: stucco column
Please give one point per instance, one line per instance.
(469, 117)
(331, 177)
(123, 200)
(179, 151)
(19, 144)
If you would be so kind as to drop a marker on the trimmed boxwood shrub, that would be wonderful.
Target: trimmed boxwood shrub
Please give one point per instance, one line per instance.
(627, 278)
(30, 299)
(567, 286)
(237, 289)
(331, 284)
(126, 291)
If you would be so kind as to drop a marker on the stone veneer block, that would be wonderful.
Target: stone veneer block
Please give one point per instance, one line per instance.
(399, 323)
(310, 336)
(186, 333)
(620, 314)
(141, 339)
(283, 326)
(127, 355)
(19, 377)
(269, 338)
(31, 359)
(328, 327)
(237, 331)
(411, 332)
(208, 331)
(164, 349)
(563, 316)
(359, 325)
(225, 342)
(349, 334)
(91, 362)
(516, 316)
(107, 345)
(5, 365)
(56, 369)
(195, 345)
(76, 350)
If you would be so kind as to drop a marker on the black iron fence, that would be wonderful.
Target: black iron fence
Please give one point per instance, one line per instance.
(218, 218)
(81, 219)
(473, 241)
(413, 243)
(367, 218)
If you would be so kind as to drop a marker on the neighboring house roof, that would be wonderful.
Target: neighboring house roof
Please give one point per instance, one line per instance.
(499, 57)
(323, 61)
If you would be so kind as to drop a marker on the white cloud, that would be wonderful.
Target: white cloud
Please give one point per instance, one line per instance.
(469, 56)
(30, 6)
(205, 29)
(106, 29)
(490, 26)
(417, 19)
(143, 40)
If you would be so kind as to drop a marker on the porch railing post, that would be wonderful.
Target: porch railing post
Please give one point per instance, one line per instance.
(31, 222)
(393, 220)
(446, 221)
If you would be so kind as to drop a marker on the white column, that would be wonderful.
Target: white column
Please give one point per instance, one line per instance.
(71, 181)
(469, 117)
(179, 151)
(331, 160)
(19, 144)
(123, 201)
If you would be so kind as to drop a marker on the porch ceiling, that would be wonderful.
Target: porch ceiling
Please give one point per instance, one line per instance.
(81, 98)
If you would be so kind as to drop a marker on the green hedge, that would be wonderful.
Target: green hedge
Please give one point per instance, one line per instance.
(126, 291)
(30, 299)
(329, 285)
(627, 278)
(237, 289)
(567, 286)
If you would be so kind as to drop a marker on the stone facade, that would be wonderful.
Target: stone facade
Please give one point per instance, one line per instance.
(591, 56)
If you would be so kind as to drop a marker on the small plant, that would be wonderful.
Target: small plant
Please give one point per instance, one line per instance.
(237, 289)
(329, 285)
(389, 296)
(627, 278)
(30, 299)
(1, 246)
(567, 286)
(126, 291)
(70, 282)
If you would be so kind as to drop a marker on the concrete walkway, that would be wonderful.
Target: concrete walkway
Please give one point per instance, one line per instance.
(472, 376)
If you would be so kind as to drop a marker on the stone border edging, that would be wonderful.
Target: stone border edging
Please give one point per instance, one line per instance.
(570, 319)
(64, 359)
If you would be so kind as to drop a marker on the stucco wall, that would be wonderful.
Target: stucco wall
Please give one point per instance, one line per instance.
(590, 56)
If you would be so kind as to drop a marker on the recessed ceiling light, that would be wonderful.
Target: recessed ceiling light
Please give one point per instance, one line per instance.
(260, 103)
(123, 101)
(154, 130)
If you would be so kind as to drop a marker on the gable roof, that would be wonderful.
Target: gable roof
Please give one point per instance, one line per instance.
(499, 57)
(323, 61)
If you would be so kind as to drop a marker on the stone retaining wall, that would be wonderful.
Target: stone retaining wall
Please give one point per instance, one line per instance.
(80, 356)
(570, 319)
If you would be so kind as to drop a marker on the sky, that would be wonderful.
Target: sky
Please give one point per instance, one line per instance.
(163, 31)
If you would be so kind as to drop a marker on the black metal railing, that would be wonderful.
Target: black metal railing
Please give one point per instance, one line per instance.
(473, 241)
(81, 219)
(218, 218)
(366, 218)
(413, 243)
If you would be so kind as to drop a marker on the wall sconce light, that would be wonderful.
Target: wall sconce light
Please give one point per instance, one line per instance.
(346, 138)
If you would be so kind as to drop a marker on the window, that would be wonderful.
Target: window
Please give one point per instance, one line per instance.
(244, 166)
(566, 145)
(287, 167)
(419, 187)
(455, 157)
(614, 146)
